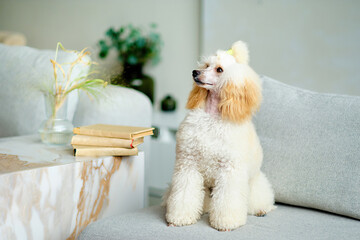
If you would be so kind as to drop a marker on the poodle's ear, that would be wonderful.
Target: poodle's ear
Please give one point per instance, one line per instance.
(239, 102)
(240, 52)
(197, 97)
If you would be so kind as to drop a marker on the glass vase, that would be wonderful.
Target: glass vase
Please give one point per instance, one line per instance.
(56, 129)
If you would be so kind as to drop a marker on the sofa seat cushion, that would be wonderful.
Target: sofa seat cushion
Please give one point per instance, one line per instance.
(285, 222)
(311, 144)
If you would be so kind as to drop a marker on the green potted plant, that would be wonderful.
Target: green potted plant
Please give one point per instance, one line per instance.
(135, 48)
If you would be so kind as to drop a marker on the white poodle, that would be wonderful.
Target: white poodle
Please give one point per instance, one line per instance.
(218, 153)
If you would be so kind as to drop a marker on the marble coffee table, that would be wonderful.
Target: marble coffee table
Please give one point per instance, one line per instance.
(47, 193)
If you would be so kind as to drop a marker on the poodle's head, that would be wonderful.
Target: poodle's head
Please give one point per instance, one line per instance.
(228, 75)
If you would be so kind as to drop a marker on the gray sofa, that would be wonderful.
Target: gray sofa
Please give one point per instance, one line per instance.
(311, 145)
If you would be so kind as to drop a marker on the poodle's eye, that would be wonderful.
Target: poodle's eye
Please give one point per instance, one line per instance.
(219, 70)
(206, 65)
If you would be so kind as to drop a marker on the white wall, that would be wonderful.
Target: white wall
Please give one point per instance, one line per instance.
(81, 23)
(310, 44)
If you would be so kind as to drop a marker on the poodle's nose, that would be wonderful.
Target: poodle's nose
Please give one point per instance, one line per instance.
(195, 73)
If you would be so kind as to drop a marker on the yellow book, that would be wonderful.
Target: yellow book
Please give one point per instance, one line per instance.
(91, 151)
(114, 131)
(85, 140)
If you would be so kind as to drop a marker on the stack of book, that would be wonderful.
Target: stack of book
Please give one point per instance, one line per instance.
(108, 140)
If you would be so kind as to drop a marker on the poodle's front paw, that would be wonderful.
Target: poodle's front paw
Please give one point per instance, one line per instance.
(177, 220)
(227, 222)
(260, 213)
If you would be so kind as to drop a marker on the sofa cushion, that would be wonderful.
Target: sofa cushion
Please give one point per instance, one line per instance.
(23, 71)
(311, 144)
(284, 223)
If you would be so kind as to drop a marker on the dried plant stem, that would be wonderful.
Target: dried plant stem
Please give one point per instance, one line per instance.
(60, 91)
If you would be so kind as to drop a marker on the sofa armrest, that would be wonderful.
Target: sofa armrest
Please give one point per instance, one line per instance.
(120, 106)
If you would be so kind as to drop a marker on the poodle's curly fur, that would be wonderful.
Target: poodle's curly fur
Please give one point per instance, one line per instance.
(218, 153)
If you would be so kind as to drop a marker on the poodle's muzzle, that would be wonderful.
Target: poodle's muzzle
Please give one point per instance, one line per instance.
(196, 76)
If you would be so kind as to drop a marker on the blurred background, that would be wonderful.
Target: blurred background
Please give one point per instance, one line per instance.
(308, 44)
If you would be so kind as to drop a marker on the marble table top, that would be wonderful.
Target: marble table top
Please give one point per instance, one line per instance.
(28, 152)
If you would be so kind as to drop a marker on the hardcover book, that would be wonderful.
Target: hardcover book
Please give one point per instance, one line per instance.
(103, 151)
(85, 140)
(114, 131)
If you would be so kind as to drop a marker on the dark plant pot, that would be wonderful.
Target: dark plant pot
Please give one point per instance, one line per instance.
(134, 77)
(168, 104)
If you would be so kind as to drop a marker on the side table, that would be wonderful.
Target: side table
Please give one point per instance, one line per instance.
(47, 193)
